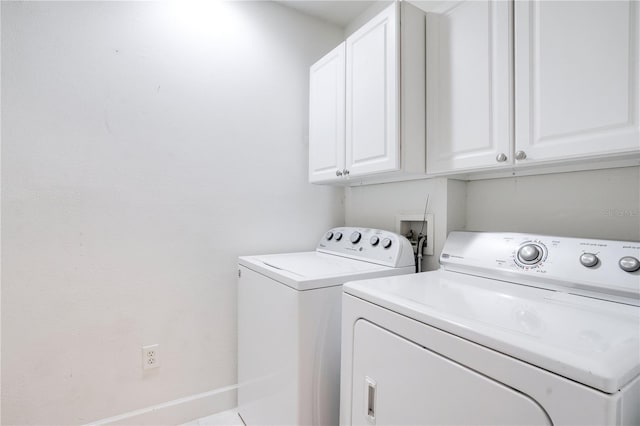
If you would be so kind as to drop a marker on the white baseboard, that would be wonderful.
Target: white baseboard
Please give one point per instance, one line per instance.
(178, 411)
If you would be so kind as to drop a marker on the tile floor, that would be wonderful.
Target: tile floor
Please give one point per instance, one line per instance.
(225, 418)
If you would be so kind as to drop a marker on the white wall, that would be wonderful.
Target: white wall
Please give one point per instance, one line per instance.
(375, 8)
(143, 149)
(377, 206)
(601, 204)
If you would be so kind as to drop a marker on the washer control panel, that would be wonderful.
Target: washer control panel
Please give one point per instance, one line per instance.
(597, 268)
(371, 245)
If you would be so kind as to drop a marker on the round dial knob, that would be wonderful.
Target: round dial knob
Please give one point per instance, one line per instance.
(386, 243)
(355, 237)
(329, 236)
(530, 254)
(338, 236)
(629, 264)
(374, 240)
(589, 260)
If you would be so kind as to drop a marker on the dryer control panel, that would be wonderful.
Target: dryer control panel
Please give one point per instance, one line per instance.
(603, 269)
(369, 245)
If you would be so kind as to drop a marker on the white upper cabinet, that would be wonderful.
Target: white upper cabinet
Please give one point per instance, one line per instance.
(326, 117)
(577, 77)
(372, 96)
(572, 99)
(469, 86)
(381, 113)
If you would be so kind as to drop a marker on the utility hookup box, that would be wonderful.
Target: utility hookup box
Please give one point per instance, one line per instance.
(412, 225)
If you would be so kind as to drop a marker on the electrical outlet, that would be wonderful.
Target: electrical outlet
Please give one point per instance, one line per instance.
(150, 357)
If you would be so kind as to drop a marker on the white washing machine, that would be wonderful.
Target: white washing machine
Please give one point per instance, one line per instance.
(289, 309)
(513, 329)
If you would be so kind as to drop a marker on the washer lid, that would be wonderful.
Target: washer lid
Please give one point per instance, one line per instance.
(587, 340)
(310, 270)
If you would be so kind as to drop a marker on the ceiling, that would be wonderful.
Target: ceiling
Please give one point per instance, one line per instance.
(339, 12)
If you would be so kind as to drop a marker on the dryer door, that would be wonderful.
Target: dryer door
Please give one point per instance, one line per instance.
(396, 382)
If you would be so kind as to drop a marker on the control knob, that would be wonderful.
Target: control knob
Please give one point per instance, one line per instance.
(589, 260)
(329, 236)
(629, 264)
(386, 243)
(355, 237)
(374, 240)
(530, 254)
(338, 236)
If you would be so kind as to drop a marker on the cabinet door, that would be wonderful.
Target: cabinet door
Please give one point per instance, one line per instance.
(372, 140)
(326, 117)
(577, 76)
(469, 86)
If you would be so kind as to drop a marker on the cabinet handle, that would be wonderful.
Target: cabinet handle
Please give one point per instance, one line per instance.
(501, 158)
(370, 390)
(346, 172)
(338, 173)
(521, 155)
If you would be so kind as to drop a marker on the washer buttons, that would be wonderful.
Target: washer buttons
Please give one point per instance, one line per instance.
(355, 237)
(530, 254)
(629, 264)
(589, 260)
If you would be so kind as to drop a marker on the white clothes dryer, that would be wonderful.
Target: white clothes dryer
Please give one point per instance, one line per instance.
(289, 308)
(513, 329)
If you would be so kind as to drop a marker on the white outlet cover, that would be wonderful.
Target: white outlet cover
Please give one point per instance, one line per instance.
(150, 357)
